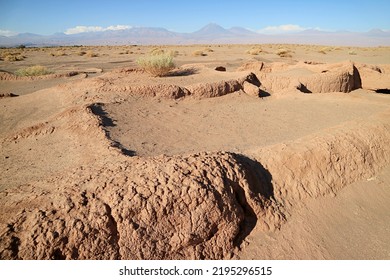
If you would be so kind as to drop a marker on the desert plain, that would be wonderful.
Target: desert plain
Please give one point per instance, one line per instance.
(283, 152)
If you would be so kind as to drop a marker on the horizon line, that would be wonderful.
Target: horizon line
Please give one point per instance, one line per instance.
(268, 30)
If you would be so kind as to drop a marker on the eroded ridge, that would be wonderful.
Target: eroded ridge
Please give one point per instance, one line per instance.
(200, 206)
(324, 163)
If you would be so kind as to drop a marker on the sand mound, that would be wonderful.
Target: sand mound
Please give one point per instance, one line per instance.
(199, 206)
(221, 88)
(343, 78)
(215, 89)
(159, 91)
(170, 91)
(251, 66)
(311, 77)
(374, 77)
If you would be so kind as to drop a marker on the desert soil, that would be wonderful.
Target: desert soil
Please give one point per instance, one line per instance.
(279, 157)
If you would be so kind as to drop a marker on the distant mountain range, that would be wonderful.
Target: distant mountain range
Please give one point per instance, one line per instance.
(209, 34)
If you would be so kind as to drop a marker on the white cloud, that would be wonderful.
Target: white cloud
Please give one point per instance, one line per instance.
(286, 28)
(7, 33)
(118, 27)
(83, 29)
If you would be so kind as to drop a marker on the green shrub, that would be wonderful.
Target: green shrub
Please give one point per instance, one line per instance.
(157, 65)
(36, 70)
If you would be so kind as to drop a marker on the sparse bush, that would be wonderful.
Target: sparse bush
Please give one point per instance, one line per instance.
(91, 54)
(126, 52)
(199, 53)
(352, 52)
(36, 70)
(173, 53)
(157, 65)
(325, 50)
(58, 53)
(81, 53)
(157, 51)
(11, 56)
(14, 57)
(254, 51)
(283, 53)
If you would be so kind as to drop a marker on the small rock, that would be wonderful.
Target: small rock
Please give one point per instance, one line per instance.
(220, 68)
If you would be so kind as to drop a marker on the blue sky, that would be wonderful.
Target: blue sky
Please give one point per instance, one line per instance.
(48, 17)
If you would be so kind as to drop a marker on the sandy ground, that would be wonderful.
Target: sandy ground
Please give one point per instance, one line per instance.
(352, 225)
(235, 122)
(286, 174)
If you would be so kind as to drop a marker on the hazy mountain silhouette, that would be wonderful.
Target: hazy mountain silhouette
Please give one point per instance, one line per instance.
(211, 33)
(242, 31)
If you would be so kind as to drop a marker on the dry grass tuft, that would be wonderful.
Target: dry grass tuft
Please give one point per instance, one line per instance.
(36, 70)
(12, 56)
(254, 51)
(126, 52)
(325, 50)
(173, 53)
(58, 53)
(157, 65)
(157, 51)
(352, 52)
(199, 53)
(283, 53)
(91, 54)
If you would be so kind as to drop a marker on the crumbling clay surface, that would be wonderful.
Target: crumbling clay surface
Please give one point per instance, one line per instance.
(195, 207)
